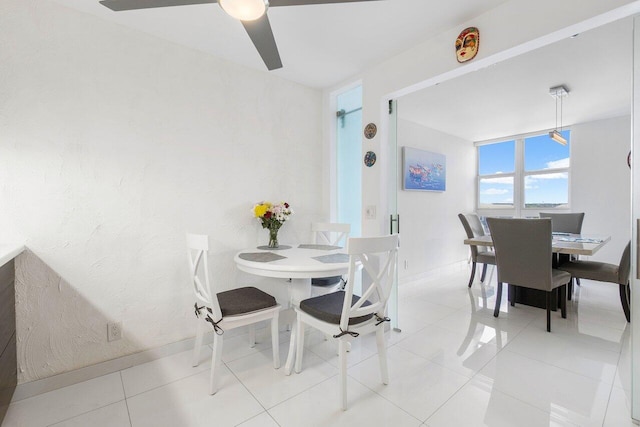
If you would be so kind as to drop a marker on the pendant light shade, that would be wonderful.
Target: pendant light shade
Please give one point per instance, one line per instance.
(244, 10)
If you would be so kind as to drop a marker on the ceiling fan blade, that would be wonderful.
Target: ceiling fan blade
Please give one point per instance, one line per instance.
(262, 37)
(120, 5)
(274, 3)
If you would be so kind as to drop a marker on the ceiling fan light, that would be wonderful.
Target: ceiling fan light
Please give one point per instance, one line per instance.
(557, 137)
(244, 10)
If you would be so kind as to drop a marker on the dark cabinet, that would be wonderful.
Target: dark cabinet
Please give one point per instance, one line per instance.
(8, 357)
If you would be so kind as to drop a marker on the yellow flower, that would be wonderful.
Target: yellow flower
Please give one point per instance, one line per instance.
(260, 209)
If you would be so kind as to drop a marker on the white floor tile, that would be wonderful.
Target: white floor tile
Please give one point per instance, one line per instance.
(187, 402)
(114, 415)
(619, 409)
(271, 386)
(320, 406)
(455, 351)
(147, 376)
(564, 352)
(564, 394)
(362, 348)
(478, 404)
(262, 420)
(65, 403)
(415, 384)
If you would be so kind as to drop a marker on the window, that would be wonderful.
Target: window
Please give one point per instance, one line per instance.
(529, 172)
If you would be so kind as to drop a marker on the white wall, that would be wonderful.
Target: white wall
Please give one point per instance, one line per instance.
(601, 181)
(112, 145)
(431, 233)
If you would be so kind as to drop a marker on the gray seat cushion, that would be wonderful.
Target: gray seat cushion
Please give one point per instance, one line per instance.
(591, 270)
(244, 300)
(329, 308)
(486, 257)
(559, 278)
(326, 281)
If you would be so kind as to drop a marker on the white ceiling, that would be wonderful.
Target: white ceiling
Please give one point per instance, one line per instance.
(512, 97)
(320, 45)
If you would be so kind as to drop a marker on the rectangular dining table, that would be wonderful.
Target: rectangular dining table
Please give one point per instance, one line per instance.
(563, 245)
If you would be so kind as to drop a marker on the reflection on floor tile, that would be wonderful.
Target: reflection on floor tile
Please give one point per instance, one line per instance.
(453, 364)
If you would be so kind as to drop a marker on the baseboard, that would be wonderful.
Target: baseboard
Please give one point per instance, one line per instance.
(436, 272)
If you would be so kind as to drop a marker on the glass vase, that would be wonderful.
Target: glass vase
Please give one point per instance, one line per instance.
(273, 238)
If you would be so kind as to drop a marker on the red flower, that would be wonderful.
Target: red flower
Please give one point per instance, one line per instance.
(286, 205)
(267, 214)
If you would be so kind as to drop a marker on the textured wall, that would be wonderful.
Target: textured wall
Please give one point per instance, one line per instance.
(113, 144)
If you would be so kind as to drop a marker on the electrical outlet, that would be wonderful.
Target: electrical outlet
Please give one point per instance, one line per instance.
(114, 331)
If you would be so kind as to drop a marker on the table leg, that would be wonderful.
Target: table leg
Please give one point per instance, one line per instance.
(299, 289)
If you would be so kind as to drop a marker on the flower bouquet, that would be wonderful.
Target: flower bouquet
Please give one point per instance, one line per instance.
(272, 216)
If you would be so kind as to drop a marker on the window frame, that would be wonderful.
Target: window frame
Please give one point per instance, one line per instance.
(518, 209)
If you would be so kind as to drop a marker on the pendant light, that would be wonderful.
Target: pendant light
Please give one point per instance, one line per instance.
(558, 92)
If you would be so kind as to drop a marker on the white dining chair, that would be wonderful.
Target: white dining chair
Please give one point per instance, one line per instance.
(331, 234)
(346, 316)
(225, 310)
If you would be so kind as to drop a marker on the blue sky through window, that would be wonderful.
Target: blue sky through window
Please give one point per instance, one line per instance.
(540, 190)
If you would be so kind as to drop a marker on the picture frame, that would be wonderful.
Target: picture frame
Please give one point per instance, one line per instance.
(423, 170)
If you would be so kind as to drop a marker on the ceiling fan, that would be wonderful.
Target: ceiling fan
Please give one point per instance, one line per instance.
(252, 14)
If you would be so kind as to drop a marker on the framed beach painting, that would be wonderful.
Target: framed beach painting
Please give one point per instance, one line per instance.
(423, 170)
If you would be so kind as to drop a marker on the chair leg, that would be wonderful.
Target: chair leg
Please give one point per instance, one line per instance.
(382, 355)
(624, 299)
(570, 289)
(473, 273)
(496, 311)
(512, 295)
(578, 281)
(216, 357)
(342, 358)
(484, 272)
(563, 300)
(252, 335)
(548, 311)
(275, 341)
(299, 344)
(198, 342)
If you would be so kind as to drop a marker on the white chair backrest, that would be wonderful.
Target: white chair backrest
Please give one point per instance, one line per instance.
(325, 233)
(379, 259)
(197, 251)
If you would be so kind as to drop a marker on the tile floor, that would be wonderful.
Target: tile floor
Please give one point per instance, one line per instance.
(453, 364)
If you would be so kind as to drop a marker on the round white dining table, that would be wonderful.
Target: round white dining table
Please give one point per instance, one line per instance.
(300, 263)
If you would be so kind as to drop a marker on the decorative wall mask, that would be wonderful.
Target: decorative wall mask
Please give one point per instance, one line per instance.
(370, 130)
(370, 159)
(467, 44)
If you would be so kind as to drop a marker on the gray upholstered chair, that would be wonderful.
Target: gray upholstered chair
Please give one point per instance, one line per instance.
(604, 272)
(565, 222)
(479, 254)
(524, 258)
